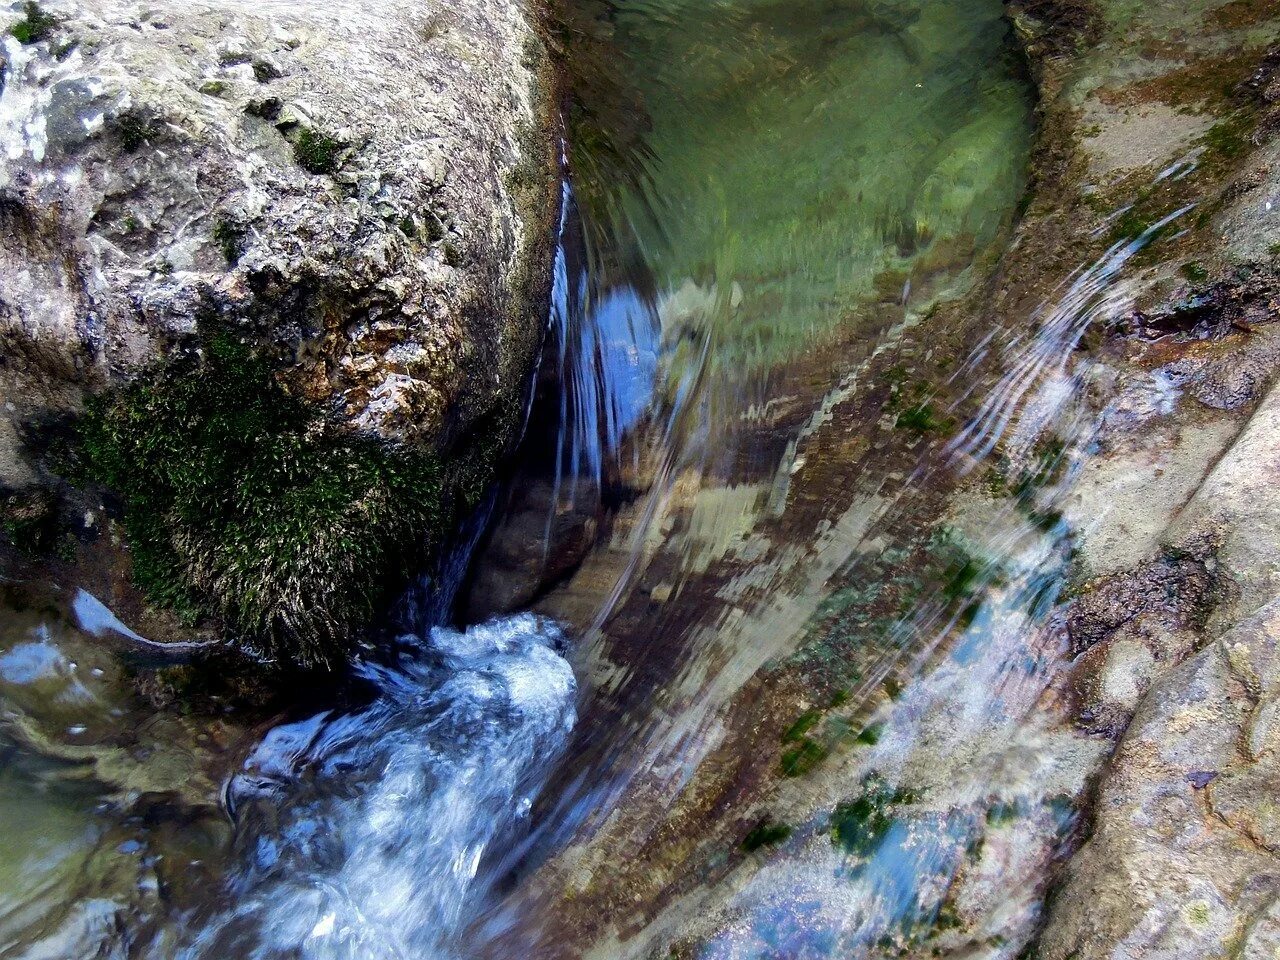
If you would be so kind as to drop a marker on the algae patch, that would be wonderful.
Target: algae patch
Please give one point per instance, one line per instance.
(245, 504)
(35, 25)
(316, 152)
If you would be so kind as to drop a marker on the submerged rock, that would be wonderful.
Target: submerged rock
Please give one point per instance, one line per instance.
(363, 195)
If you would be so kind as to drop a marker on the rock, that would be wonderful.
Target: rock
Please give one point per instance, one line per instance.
(1232, 382)
(1174, 589)
(1182, 857)
(364, 194)
(343, 183)
(1179, 858)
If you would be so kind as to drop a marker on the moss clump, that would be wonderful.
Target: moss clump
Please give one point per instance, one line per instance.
(229, 239)
(265, 72)
(315, 151)
(870, 736)
(803, 757)
(806, 722)
(1195, 273)
(29, 519)
(432, 227)
(1001, 814)
(36, 25)
(1228, 139)
(765, 834)
(858, 826)
(243, 503)
(922, 419)
(133, 129)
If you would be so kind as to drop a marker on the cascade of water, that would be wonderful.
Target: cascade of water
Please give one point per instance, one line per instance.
(376, 832)
(366, 833)
(838, 893)
(1091, 295)
(606, 363)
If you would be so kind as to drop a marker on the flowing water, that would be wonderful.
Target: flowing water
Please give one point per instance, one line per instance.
(768, 200)
(361, 834)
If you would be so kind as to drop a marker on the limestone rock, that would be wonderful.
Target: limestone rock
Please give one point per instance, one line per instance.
(1182, 857)
(366, 188)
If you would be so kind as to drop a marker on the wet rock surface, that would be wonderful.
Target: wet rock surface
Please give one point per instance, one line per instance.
(1101, 799)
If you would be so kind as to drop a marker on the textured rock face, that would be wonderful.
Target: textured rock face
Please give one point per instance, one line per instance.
(365, 188)
(1182, 857)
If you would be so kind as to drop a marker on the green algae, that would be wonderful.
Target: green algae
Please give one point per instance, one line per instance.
(245, 504)
(229, 239)
(767, 833)
(858, 825)
(803, 758)
(807, 721)
(870, 735)
(30, 521)
(35, 25)
(922, 419)
(133, 129)
(316, 152)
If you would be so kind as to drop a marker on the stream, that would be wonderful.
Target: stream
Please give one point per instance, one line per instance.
(727, 595)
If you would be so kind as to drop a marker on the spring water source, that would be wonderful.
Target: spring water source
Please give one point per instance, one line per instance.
(755, 183)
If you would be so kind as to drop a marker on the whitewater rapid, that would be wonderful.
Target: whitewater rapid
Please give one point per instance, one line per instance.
(376, 833)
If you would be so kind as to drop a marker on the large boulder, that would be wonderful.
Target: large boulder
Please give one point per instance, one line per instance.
(361, 195)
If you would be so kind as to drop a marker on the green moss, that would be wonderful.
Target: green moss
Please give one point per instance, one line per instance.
(30, 521)
(243, 503)
(806, 722)
(921, 418)
(870, 736)
(1229, 138)
(133, 128)
(264, 72)
(802, 758)
(315, 151)
(229, 239)
(858, 826)
(36, 25)
(765, 834)
(1195, 273)
(1002, 814)
(1128, 225)
(433, 228)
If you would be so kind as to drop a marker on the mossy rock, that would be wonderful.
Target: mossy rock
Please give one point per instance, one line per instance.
(244, 504)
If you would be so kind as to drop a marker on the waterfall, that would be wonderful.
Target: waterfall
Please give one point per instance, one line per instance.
(606, 344)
